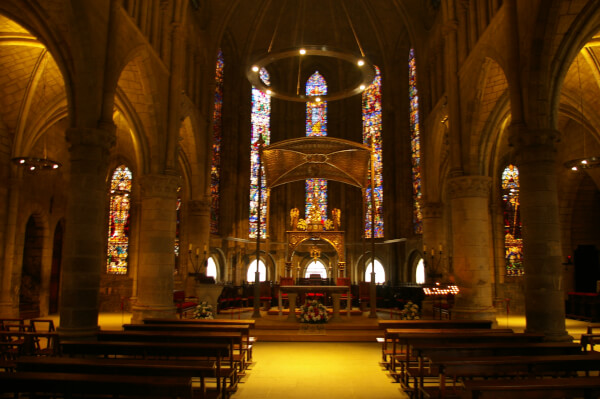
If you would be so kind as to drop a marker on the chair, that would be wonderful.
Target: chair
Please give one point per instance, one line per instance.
(364, 294)
(344, 281)
(282, 282)
(42, 326)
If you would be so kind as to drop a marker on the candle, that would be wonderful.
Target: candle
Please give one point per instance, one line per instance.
(432, 252)
(197, 251)
(424, 248)
(440, 248)
(190, 248)
(204, 248)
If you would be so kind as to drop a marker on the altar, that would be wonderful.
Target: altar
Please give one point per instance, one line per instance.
(336, 292)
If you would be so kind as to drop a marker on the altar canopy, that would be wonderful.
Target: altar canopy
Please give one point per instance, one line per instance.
(316, 158)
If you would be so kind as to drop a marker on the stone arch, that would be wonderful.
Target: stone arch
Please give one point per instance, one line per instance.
(492, 91)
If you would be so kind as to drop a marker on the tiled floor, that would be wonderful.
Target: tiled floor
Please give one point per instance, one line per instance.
(316, 370)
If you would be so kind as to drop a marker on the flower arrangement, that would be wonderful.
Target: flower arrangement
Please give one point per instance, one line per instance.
(313, 312)
(302, 225)
(410, 311)
(203, 311)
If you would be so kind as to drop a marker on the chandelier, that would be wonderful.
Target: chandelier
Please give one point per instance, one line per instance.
(354, 62)
(33, 164)
(586, 162)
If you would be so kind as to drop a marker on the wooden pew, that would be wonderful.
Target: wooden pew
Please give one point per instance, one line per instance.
(225, 376)
(417, 376)
(405, 338)
(14, 344)
(584, 387)
(232, 339)
(250, 322)
(194, 369)
(122, 386)
(460, 368)
(386, 351)
(245, 347)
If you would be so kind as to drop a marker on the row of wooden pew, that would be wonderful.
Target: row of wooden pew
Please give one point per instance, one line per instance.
(470, 359)
(171, 358)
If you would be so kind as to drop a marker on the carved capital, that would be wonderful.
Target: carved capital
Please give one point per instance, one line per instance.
(432, 210)
(104, 138)
(521, 137)
(199, 207)
(158, 185)
(469, 186)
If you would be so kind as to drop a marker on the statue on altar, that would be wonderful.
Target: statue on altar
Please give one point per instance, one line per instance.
(294, 215)
(336, 215)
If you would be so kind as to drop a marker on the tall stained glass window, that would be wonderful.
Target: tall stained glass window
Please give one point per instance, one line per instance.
(261, 120)
(513, 241)
(316, 125)
(118, 222)
(215, 170)
(371, 111)
(415, 143)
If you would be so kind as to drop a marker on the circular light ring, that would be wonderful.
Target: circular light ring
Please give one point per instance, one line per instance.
(367, 71)
(33, 164)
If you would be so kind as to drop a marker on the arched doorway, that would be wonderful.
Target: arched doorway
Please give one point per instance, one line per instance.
(31, 270)
(55, 268)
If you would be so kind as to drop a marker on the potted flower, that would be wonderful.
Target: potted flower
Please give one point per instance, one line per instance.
(313, 312)
(410, 311)
(203, 311)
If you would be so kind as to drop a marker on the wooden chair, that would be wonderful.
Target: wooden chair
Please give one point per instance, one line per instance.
(344, 281)
(364, 294)
(283, 281)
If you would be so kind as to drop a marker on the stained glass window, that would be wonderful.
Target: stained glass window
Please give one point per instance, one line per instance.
(513, 241)
(415, 143)
(261, 119)
(371, 111)
(215, 170)
(316, 125)
(118, 222)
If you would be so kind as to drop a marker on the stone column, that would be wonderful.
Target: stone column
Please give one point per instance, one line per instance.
(544, 286)
(469, 196)
(157, 237)
(433, 234)
(84, 255)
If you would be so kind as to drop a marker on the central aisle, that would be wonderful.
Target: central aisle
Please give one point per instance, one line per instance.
(315, 370)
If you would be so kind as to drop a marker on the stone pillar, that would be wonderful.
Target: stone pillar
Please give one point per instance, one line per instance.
(84, 256)
(199, 231)
(469, 196)
(433, 234)
(544, 285)
(157, 237)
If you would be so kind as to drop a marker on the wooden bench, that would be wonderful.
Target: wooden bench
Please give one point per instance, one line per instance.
(584, 387)
(183, 303)
(14, 344)
(121, 386)
(194, 369)
(418, 375)
(405, 338)
(235, 361)
(224, 376)
(457, 369)
(386, 351)
(245, 346)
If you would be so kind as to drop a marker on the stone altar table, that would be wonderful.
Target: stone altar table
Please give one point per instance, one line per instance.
(335, 290)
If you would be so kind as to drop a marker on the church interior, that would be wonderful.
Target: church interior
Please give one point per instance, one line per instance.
(157, 155)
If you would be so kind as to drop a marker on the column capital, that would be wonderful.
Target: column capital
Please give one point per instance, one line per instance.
(432, 210)
(469, 186)
(160, 185)
(521, 137)
(106, 136)
(200, 207)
